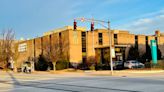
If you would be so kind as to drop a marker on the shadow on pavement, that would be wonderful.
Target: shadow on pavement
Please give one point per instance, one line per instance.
(57, 86)
(14, 80)
(30, 84)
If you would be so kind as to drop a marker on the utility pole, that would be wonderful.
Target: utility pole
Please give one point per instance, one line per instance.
(101, 22)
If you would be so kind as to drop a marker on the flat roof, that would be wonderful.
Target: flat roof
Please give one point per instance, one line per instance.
(63, 29)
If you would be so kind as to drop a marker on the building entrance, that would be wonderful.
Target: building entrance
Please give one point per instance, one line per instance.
(103, 54)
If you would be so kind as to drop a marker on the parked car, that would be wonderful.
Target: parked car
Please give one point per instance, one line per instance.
(26, 67)
(117, 64)
(133, 64)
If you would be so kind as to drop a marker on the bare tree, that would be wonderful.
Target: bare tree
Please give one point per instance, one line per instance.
(6, 47)
(91, 62)
(15, 56)
(107, 56)
(57, 50)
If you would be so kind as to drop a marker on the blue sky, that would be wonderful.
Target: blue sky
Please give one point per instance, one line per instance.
(31, 18)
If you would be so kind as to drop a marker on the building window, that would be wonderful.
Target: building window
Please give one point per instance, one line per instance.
(60, 39)
(59, 35)
(156, 40)
(115, 39)
(146, 40)
(136, 41)
(60, 42)
(147, 45)
(41, 45)
(50, 38)
(83, 40)
(100, 35)
(34, 48)
(22, 47)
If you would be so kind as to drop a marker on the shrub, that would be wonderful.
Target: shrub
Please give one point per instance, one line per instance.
(147, 65)
(159, 65)
(102, 67)
(42, 63)
(63, 64)
(83, 66)
(91, 61)
(92, 67)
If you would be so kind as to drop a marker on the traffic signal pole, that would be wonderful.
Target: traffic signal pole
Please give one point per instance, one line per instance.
(109, 32)
(92, 30)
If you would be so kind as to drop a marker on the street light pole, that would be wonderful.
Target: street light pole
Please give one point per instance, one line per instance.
(110, 47)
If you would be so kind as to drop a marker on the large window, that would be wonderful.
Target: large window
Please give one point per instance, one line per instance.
(100, 35)
(22, 47)
(115, 39)
(41, 45)
(50, 38)
(83, 40)
(60, 42)
(147, 45)
(146, 40)
(34, 48)
(136, 41)
(156, 38)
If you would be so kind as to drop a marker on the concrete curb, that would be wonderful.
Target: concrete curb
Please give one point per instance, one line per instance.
(151, 71)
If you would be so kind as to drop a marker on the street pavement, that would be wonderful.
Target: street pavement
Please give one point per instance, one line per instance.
(79, 82)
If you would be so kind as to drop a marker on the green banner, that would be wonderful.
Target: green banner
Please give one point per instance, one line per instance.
(154, 51)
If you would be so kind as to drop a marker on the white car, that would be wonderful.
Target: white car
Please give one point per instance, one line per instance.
(133, 64)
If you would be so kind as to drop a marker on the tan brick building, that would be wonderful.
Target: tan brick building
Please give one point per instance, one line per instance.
(82, 44)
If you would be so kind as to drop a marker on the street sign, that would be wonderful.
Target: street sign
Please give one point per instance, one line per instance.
(113, 53)
(154, 51)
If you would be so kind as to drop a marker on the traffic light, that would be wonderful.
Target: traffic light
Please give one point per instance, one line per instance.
(92, 26)
(74, 25)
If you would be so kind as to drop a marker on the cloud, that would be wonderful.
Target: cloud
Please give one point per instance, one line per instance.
(142, 21)
(115, 1)
(147, 24)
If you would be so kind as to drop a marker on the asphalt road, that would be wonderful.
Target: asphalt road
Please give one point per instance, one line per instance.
(10, 82)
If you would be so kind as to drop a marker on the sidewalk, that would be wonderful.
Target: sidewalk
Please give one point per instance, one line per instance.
(80, 73)
(130, 73)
